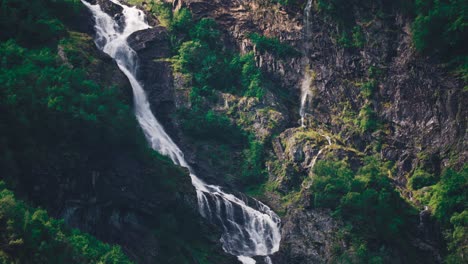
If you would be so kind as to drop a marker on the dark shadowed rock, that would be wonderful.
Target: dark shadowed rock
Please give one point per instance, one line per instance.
(308, 237)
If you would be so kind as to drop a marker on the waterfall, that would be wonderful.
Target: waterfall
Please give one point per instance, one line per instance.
(247, 232)
(307, 78)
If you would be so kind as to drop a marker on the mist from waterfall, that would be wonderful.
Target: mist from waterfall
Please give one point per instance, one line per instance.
(247, 232)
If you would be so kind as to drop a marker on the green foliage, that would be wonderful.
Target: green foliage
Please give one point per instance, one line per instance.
(58, 103)
(333, 180)
(212, 68)
(368, 88)
(441, 27)
(251, 77)
(163, 11)
(210, 126)
(458, 239)
(36, 22)
(366, 201)
(352, 38)
(253, 169)
(367, 119)
(206, 31)
(449, 202)
(181, 20)
(31, 236)
(450, 194)
(358, 37)
(421, 178)
(273, 45)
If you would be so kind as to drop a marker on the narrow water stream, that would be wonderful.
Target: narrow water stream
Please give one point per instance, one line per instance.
(307, 77)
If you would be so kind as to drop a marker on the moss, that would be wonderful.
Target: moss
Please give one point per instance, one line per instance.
(79, 49)
(368, 88)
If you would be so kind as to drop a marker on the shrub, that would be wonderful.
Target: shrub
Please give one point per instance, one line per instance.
(367, 118)
(421, 178)
(36, 22)
(365, 200)
(273, 45)
(450, 194)
(30, 236)
(368, 88)
(449, 202)
(181, 21)
(253, 167)
(163, 11)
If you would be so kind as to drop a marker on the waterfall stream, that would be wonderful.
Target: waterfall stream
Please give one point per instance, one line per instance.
(307, 78)
(247, 232)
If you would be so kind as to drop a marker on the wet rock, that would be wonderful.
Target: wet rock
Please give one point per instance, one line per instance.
(109, 7)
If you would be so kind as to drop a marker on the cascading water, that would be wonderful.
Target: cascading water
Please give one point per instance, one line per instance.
(307, 79)
(247, 232)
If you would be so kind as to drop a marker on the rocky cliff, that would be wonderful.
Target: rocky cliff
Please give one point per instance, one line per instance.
(417, 105)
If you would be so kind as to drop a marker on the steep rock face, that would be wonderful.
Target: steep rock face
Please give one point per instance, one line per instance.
(417, 102)
(308, 237)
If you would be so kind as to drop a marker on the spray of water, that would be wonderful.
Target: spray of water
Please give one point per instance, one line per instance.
(247, 232)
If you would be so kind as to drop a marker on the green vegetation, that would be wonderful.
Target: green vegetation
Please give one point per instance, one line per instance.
(67, 112)
(210, 68)
(449, 200)
(253, 168)
(29, 235)
(375, 214)
(367, 119)
(37, 22)
(441, 27)
(378, 219)
(273, 45)
(420, 179)
(210, 126)
(352, 38)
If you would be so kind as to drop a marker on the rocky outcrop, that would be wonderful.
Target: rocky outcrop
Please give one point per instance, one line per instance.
(308, 237)
(417, 101)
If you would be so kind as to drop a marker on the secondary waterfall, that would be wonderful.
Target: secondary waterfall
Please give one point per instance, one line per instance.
(307, 78)
(247, 232)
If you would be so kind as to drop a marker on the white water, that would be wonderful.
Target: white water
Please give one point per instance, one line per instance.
(247, 232)
(307, 78)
